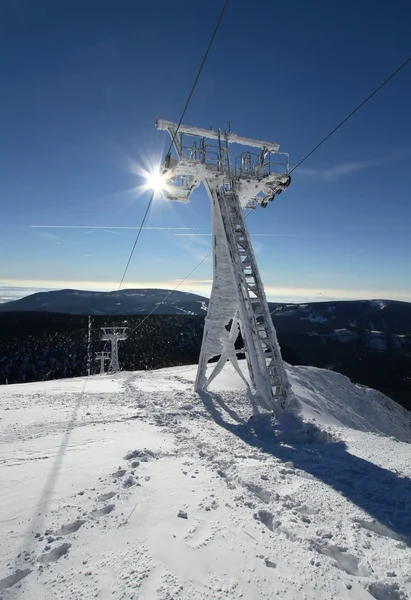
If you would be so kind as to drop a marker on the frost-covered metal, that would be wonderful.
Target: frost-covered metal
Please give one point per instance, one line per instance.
(102, 357)
(114, 335)
(89, 346)
(238, 302)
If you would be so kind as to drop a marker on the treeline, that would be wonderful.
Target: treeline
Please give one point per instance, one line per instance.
(41, 346)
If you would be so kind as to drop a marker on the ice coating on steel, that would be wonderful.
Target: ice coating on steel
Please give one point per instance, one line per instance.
(238, 302)
(114, 335)
(102, 357)
(232, 138)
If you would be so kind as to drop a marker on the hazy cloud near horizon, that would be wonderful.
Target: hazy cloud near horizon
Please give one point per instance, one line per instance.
(10, 293)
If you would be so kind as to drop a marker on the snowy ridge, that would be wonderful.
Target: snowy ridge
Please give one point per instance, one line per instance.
(120, 302)
(140, 489)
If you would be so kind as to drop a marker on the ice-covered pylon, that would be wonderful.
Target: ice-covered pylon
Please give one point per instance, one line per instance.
(102, 357)
(114, 335)
(238, 301)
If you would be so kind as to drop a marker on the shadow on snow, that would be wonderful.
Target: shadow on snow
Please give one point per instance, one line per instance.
(384, 495)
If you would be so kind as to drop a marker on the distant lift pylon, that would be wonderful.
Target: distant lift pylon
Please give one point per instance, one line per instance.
(102, 357)
(114, 335)
(238, 302)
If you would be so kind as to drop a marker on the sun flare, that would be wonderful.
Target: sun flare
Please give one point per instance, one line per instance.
(155, 181)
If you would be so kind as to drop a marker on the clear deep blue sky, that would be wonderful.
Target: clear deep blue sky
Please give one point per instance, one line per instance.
(84, 82)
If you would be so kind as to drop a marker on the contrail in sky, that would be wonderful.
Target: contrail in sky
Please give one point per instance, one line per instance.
(109, 227)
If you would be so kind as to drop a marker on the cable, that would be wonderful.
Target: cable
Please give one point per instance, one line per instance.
(352, 113)
(220, 18)
(169, 293)
(190, 95)
(176, 287)
(293, 169)
(136, 240)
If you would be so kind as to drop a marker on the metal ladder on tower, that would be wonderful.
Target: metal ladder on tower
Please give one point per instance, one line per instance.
(260, 339)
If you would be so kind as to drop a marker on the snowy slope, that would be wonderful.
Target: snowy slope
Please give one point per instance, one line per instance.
(95, 474)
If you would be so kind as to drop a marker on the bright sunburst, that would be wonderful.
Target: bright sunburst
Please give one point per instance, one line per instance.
(148, 170)
(155, 181)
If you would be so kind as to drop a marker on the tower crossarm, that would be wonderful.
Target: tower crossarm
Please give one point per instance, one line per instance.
(102, 355)
(120, 333)
(258, 173)
(211, 134)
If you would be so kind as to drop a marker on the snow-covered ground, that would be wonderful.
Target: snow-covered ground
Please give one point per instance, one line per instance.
(134, 487)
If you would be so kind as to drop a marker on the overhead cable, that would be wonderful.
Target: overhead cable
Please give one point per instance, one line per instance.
(352, 113)
(190, 95)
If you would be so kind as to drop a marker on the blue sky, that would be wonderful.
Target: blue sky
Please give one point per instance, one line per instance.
(83, 84)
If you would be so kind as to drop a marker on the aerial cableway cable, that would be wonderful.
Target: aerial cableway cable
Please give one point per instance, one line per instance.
(190, 95)
(169, 294)
(171, 145)
(352, 113)
(327, 137)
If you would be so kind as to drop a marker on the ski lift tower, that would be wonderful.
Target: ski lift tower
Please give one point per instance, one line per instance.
(101, 357)
(114, 335)
(238, 301)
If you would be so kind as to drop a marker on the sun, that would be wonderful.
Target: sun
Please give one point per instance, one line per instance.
(152, 177)
(155, 181)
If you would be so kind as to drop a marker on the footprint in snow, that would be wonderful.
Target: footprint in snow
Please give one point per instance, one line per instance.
(385, 591)
(262, 494)
(107, 496)
(270, 563)
(10, 580)
(143, 455)
(55, 554)
(379, 529)
(103, 511)
(70, 527)
(343, 560)
(129, 482)
(119, 473)
(267, 519)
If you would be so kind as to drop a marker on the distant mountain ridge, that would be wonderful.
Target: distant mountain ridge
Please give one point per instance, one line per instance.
(385, 316)
(122, 302)
(343, 316)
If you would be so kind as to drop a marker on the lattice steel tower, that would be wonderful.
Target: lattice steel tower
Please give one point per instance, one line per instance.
(101, 357)
(114, 335)
(238, 301)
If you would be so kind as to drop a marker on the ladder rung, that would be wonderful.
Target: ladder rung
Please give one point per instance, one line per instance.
(252, 294)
